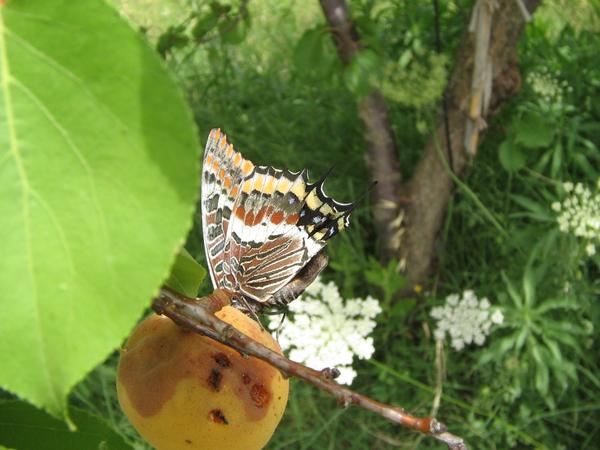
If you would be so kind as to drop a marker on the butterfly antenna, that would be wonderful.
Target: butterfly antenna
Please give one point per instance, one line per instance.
(361, 197)
(321, 180)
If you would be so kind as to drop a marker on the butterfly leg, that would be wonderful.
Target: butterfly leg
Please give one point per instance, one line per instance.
(301, 281)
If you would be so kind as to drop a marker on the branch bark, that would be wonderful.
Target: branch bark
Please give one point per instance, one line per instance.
(382, 157)
(198, 315)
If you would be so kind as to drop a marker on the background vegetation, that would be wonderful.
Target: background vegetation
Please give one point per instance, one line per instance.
(269, 76)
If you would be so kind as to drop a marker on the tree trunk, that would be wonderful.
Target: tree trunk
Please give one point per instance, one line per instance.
(431, 187)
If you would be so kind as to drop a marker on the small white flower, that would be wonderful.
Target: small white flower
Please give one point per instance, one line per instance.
(549, 88)
(328, 331)
(458, 344)
(579, 214)
(465, 319)
(452, 300)
(497, 317)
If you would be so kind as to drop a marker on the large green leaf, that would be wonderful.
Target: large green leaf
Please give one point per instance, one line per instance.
(534, 131)
(26, 428)
(98, 180)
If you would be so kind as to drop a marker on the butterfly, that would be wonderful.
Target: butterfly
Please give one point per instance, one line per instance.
(264, 229)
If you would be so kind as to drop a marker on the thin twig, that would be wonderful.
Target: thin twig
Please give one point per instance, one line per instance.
(197, 315)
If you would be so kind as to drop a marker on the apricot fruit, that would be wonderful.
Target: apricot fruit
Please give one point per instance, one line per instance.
(183, 391)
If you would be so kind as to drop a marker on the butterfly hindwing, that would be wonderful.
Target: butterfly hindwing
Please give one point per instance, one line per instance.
(261, 225)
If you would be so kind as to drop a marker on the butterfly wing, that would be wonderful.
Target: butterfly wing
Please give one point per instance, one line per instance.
(223, 170)
(261, 230)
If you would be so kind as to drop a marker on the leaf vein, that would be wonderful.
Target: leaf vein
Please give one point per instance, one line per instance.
(15, 152)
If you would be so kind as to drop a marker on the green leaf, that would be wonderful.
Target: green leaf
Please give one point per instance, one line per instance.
(529, 284)
(98, 183)
(364, 67)
(309, 53)
(557, 160)
(538, 210)
(542, 376)
(232, 31)
(24, 427)
(174, 37)
(205, 24)
(511, 156)
(186, 274)
(533, 131)
(512, 292)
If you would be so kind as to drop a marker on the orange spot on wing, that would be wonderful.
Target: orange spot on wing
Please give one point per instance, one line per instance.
(260, 216)
(237, 159)
(247, 167)
(223, 142)
(217, 134)
(292, 219)
(234, 192)
(222, 174)
(227, 182)
(240, 213)
(229, 150)
(249, 218)
(215, 166)
(277, 218)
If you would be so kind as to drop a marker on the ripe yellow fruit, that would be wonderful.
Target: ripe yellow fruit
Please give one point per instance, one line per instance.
(183, 391)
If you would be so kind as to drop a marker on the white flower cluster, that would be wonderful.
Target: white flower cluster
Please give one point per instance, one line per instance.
(328, 331)
(548, 87)
(579, 214)
(465, 319)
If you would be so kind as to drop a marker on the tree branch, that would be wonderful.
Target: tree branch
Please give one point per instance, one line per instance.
(198, 315)
(382, 157)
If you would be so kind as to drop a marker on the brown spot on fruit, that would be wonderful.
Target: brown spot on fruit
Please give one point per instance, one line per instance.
(222, 360)
(260, 395)
(217, 416)
(246, 378)
(188, 441)
(214, 379)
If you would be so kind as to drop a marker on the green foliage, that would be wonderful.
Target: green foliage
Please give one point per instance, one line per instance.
(386, 278)
(92, 207)
(186, 274)
(24, 427)
(539, 337)
(228, 22)
(511, 156)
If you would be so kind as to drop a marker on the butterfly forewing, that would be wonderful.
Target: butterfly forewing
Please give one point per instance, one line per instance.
(261, 225)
